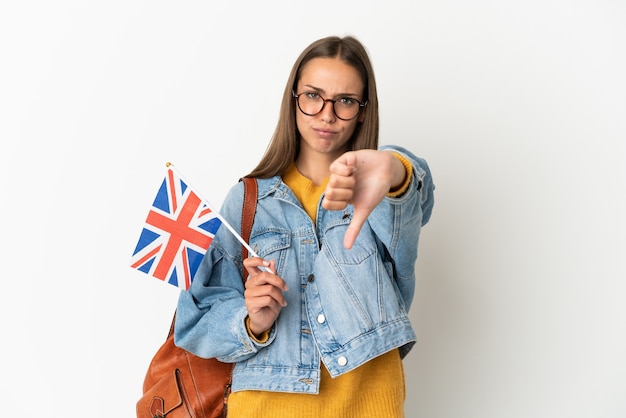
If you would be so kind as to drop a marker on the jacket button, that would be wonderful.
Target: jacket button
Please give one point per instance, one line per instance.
(321, 318)
(311, 277)
(342, 361)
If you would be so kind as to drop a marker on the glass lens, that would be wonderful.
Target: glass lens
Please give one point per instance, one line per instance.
(346, 108)
(310, 103)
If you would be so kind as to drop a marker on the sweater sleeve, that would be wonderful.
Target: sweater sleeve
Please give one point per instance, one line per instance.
(398, 191)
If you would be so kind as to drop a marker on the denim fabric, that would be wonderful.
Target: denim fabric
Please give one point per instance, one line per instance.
(345, 307)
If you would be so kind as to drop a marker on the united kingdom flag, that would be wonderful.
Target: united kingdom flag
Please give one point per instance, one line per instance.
(178, 231)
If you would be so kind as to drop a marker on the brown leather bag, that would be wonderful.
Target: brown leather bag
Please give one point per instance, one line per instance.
(179, 384)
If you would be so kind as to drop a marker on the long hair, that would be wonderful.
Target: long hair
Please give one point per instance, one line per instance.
(284, 146)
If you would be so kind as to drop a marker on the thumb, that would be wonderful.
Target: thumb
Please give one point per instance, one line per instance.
(358, 219)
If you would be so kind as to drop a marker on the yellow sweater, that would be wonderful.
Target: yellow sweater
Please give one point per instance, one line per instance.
(374, 390)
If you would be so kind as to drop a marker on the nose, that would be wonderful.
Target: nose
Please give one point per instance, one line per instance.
(328, 112)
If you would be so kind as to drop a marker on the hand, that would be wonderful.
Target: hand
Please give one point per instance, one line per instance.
(263, 294)
(362, 178)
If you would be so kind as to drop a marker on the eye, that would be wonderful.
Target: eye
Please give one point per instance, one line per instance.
(347, 101)
(312, 95)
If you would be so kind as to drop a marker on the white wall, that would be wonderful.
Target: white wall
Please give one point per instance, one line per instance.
(518, 106)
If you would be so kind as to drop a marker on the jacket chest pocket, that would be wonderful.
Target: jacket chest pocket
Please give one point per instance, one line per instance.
(364, 246)
(272, 243)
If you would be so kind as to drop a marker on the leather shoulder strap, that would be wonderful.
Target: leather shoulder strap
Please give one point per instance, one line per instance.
(247, 216)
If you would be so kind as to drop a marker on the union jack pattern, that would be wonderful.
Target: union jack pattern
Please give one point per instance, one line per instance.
(179, 229)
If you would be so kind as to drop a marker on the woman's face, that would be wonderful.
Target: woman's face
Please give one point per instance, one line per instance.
(329, 78)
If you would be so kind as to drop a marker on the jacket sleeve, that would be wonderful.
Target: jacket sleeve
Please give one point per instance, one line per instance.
(210, 316)
(397, 221)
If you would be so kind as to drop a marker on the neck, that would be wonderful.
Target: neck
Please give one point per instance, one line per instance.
(315, 167)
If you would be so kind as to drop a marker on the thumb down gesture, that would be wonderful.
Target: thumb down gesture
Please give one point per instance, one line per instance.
(362, 178)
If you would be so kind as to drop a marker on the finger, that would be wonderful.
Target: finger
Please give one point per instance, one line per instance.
(269, 277)
(339, 193)
(272, 267)
(264, 296)
(253, 265)
(334, 205)
(257, 304)
(337, 200)
(358, 219)
(345, 180)
(345, 165)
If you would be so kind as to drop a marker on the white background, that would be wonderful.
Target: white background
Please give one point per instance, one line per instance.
(519, 107)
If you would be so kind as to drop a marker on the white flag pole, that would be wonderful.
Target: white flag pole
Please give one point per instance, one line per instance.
(224, 222)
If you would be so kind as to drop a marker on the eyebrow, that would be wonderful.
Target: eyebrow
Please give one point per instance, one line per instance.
(321, 90)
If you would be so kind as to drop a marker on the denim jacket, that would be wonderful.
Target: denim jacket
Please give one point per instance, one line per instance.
(345, 307)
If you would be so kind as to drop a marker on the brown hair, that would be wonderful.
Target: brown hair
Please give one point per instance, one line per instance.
(285, 143)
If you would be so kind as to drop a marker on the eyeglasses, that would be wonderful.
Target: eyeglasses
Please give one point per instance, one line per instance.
(311, 103)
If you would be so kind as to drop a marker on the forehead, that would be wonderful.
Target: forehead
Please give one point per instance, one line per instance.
(331, 75)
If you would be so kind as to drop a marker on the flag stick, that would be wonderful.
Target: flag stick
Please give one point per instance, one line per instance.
(224, 222)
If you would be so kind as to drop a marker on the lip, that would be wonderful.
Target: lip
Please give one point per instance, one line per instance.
(325, 133)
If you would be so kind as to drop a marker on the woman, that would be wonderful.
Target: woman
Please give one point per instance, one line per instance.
(321, 326)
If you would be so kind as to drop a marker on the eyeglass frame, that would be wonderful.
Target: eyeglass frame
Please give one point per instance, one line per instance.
(297, 98)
